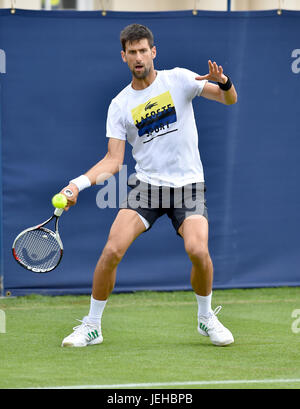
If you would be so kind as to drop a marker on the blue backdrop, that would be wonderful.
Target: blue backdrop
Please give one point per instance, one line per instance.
(62, 70)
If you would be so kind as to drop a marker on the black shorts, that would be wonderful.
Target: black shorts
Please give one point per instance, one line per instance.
(152, 202)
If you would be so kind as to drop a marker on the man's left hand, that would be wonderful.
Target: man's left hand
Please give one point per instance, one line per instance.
(215, 73)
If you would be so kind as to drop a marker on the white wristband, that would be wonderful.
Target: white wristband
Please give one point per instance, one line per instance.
(82, 182)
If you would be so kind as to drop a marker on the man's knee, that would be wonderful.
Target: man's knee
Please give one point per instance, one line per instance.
(197, 252)
(113, 252)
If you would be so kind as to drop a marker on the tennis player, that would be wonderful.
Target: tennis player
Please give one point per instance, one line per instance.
(154, 114)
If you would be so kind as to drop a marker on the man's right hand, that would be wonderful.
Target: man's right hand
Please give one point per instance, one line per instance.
(72, 199)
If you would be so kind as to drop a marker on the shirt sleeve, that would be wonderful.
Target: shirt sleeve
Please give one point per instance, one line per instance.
(192, 87)
(115, 127)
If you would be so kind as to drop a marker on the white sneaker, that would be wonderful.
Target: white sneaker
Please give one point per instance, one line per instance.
(210, 326)
(87, 333)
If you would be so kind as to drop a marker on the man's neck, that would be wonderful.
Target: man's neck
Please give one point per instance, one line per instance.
(139, 84)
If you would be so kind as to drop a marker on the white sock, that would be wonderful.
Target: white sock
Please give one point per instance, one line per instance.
(96, 310)
(204, 304)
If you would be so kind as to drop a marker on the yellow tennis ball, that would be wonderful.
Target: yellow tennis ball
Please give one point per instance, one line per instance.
(59, 201)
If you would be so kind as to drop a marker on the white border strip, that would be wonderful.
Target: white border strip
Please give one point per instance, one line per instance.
(156, 384)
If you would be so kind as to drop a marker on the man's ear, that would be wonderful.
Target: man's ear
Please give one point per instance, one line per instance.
(123, 55)
(153, 52)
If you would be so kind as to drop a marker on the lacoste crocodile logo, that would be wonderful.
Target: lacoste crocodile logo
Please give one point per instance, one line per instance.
(149, 105)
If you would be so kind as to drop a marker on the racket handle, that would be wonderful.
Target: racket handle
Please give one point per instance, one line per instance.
(58, 212)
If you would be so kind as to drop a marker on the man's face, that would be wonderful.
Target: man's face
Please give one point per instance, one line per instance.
(139, 57)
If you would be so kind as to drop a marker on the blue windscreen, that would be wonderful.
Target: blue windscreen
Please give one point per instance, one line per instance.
(62, 70)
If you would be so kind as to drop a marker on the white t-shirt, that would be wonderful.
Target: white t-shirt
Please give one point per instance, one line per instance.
(159, 124)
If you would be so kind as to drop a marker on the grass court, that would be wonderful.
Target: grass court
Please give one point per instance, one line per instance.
(151, 341)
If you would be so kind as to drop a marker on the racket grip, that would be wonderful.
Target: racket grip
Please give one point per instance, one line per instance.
(58, 212)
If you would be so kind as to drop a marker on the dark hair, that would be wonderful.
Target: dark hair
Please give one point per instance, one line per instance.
(136, 32)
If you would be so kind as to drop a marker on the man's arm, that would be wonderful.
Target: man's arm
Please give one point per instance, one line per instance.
(110, 164)
(213, 91)
(103, 170)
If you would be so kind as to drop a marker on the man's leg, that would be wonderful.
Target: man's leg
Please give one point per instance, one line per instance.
(125, 229)
(194, 231)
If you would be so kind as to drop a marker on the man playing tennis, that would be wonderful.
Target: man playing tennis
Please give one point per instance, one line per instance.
(155, 114)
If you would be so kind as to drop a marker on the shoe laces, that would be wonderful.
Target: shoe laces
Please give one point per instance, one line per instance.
(83, 327)
(217, 310)
(212, 320)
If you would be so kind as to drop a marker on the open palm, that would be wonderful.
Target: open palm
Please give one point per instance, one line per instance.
(215, 73)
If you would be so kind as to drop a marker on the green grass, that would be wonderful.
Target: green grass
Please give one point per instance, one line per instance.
(151, 337)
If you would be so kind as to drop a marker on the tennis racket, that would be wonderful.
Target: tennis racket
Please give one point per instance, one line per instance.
(38, 248)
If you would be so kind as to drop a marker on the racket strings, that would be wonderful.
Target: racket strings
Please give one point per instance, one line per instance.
(38, 249)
